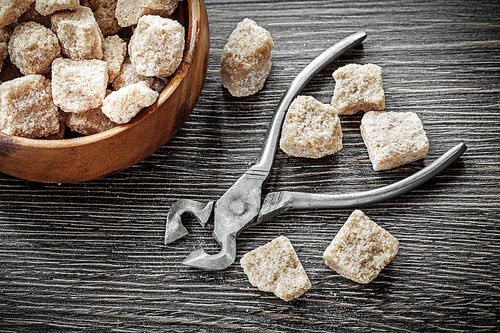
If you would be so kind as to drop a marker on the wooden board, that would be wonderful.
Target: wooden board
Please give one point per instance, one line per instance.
(90, 256)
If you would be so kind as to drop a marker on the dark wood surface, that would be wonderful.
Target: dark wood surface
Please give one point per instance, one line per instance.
(90, 256)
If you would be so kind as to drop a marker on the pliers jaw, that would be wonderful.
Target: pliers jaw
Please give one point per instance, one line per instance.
(174, 228)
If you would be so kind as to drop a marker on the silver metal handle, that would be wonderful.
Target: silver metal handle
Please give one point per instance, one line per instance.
(277, 202)
(268, 151)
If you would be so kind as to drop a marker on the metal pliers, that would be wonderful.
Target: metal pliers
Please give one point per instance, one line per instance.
(242, 207)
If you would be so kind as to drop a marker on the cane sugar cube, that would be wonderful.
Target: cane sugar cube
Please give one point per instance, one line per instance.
(128, 76)
(358, 88)
(79, 33)
(311, 129)
(89, 122)
(115, 50)
(393, 138)
(31, 15)
(104, 12)
(128, 12)
(47, 7)
(11, 10)
(157, 46)
(275, 267)
(122, 105)
(361, 249)
(33, 47)
(246, 59)
(26, 107)
(79, 85)
(3, 53)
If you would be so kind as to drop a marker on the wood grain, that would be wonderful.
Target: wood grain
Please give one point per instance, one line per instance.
(89, 256)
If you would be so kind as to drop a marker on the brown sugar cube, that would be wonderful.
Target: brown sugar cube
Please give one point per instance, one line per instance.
(89, 122)
(358, 88)
(128, 12)
(275, 267)
(33, 47)
(361, 249)
(78, 33)
(128, 76)
(115, 50)
(31, 15)
(79, 85)
(11, 10)
(62, 128)
(104, 12)
(393, 138)
(311, 129)
(47, 7)
(122, 105)
(26, 107)
(246, 59)
(157, 46)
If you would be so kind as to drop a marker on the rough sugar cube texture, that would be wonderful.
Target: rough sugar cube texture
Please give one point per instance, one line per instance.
(246, 59)
(115, 50)
(122, 105)
(11, 10)
(32, 15)
(104, 12)
(26, 107)
(128, 76)
(275, 267)
(79, 34)
(393, 138)
(33, 47)
(47, 7)
(361, 249)
(89, 122)
(157, 46)
(128, 12)
(79, 85)
(311, 129)
(358, 88)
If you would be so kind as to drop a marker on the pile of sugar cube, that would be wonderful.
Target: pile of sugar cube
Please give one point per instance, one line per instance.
(86, 65)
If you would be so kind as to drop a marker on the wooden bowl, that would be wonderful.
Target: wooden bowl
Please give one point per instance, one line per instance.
(99, 155)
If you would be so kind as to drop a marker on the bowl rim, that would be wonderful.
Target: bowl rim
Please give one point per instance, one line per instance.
(193, 15)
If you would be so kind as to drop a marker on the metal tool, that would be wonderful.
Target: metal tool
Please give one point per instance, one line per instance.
(240, 207)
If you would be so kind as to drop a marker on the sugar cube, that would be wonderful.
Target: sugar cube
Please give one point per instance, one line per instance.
(246, 59)
(361, 249)
(128, 76)
(393, 138)
(104, 12)
(78, 33)
(358, 88)
(122, 105)
(89, 122)
(33, 47)
(115, 50)
(11, 10)
(79, 85)
(311, 129)
(27, 108)
(128, 12)
(157, 46)
(47, 7)
(275, 267)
